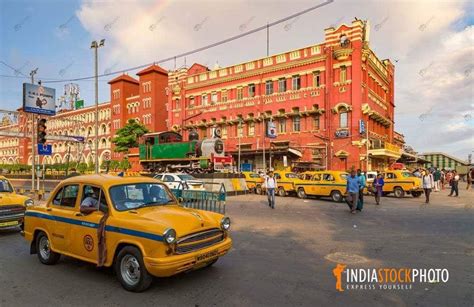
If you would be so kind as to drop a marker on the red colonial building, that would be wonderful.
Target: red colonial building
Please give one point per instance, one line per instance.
(324, 100)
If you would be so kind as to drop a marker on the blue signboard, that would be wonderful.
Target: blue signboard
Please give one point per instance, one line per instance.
(39, 99)
(361, 126)
(246, 167)
(45, 150)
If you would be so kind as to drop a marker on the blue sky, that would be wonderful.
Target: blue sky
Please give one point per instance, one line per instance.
(432, 42)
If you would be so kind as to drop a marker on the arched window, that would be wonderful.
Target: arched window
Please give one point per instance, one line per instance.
(343, 119)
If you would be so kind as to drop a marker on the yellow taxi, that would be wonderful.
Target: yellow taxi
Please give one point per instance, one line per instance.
(401, 182)
(12, 205)
(307, 175)
(323, 184)
(133, 224)
(286, 182)
(254, 182)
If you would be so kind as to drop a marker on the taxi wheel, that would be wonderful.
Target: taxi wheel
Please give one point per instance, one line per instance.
(281, 192)
(301, 193)
(336, 196)
(398, 192)
(258, 190)
(131, 270)
(43, 248)
(416, 194)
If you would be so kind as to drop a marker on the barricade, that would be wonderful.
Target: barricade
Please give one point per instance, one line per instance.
(202, 199)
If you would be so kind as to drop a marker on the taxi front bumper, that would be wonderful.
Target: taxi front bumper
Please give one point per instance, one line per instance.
(171, 265)
(11, 220)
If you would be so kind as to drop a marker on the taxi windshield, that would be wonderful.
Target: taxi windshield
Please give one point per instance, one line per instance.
(139, 195)
(5, 186)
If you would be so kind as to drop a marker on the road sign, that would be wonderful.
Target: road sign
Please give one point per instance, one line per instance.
(70, 138)
(45, 150)
(39, 99)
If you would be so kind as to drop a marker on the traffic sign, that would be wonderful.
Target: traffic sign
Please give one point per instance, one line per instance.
(45, 150)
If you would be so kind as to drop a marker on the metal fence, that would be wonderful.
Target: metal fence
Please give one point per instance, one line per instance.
(211, 199)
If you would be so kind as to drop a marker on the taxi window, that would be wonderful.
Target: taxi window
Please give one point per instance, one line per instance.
(133, 193)
(390, 176)
(168, 178)
(291, 175)
(407, 174)
(139, 195)
(5, 186)
(316, 177)
(93, 193)
(66, 196)
(328, 177)
(254, 176)
(277, 176)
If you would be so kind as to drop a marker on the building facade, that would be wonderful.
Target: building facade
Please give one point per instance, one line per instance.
(442, 160)
(142, 99)
(324, 100)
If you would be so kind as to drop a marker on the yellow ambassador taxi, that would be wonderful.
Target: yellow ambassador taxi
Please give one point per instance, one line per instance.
(12, 205)
(254, 182)
(286, 182)
(401, 182)
(146, 232)
(323, 184)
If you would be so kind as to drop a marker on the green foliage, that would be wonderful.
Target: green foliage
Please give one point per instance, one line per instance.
(127, 137)
(82, 167)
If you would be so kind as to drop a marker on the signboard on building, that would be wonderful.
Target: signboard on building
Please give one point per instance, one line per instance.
(361, 126)
(45, 150)
(271, 130)
(39, 99)
(342, 133)
(79, 104)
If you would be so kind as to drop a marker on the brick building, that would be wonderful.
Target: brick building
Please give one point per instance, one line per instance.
(316, 97)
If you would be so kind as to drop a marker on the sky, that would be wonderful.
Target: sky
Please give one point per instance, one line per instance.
(430, 42)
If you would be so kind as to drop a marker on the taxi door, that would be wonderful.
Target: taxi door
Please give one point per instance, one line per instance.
(62, 208)
(84, 232)
(327, 181)
(389, 181)
(315, 187)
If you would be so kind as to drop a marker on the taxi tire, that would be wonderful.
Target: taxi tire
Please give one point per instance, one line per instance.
(145, 277)
(398, 192)
(281, 192)
(258, 190)
(416, 194)
(301, 193)
(336, 196)
(53, 257)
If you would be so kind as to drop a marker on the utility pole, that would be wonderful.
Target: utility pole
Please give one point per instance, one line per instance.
(33, 126)
(367, 147)
(96, 45)
(240, 128)
(268, 39)
(263, 135)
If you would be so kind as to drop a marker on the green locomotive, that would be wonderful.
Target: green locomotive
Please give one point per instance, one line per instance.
(167, 152)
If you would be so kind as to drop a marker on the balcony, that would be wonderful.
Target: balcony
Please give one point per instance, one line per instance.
(342, 53)
(384, 149)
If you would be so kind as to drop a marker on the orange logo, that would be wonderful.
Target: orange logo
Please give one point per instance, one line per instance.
(337, 272)
(88, 243)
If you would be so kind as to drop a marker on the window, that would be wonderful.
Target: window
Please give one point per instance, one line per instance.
(66, 196)
(240, 130)
(134, 196)
(251, 90)
(191, 101)
(224, 96)
(168, 178)
(390, 176)
(282, 125)
(282, 85)
(5, 186)
(343, 120)
(116, 94)
(147, 87)
(296, 81)
(269, 87)
(251, 129)
(93, 197)
(204, 100)
(328, 177)
(213, 97)
(343, 74)
(177, 104)
(296, 123)
(224, 132)
(316, 123)
(317, 79)
(240, 93)
(203, 132)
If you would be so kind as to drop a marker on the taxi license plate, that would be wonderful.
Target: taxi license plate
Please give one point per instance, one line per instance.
(6, 224)
(207, 256)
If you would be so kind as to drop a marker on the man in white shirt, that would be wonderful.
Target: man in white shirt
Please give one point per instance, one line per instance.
(271, 184)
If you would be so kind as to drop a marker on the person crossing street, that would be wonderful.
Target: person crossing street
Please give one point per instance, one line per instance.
(362, 184)
(271, 184)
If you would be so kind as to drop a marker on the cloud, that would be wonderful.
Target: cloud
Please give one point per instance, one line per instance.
(420, 35)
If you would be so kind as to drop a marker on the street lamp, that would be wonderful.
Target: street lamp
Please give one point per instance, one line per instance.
(96, 45)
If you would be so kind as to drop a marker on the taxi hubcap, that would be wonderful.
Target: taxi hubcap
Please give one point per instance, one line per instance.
(44, 248)
(130, 269)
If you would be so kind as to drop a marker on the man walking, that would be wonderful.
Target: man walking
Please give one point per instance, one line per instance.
(437, 179)
(271, 184)
(352, 191)
(428, 184)
(378, 188)
(362, 181)
(469, 178)
(454, 184)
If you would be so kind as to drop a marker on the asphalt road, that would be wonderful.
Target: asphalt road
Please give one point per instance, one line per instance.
(281, 257)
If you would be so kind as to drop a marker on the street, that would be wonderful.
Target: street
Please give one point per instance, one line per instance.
(281, 257)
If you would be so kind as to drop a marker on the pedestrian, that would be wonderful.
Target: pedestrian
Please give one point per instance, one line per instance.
(437, 179)
(428, 184)
(352, 191)
(362, 184)
(378, 188)
(469, 178)
(449, 177)
(443, 178)
(270, 185)
(417, 173)
(454, 184)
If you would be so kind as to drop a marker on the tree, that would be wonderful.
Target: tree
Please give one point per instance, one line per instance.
(127, 137)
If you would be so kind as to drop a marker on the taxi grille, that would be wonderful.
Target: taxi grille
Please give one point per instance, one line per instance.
(199, 240)
(11, 210)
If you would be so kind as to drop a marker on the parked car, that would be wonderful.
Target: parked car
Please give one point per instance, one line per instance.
(181, 180)
(400, 182)
(323, 184)
(254, 182)
(146, 232)
(12, 205)
(286, 182)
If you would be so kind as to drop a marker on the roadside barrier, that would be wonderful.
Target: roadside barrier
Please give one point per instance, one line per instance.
(202, 199)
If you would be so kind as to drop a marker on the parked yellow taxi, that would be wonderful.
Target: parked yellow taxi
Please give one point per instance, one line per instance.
(400, 182)
(323, 184)
(254, 182)
(134, 224)
(286, 182)
(12, 205)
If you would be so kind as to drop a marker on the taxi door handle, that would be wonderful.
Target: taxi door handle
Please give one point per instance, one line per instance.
(49, 209)
(79, 214)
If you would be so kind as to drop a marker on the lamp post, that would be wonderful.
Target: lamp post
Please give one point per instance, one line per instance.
(96, 45)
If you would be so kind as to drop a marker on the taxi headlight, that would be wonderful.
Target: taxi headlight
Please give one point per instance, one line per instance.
(29, 202)
(225, 223)
(169, 236)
